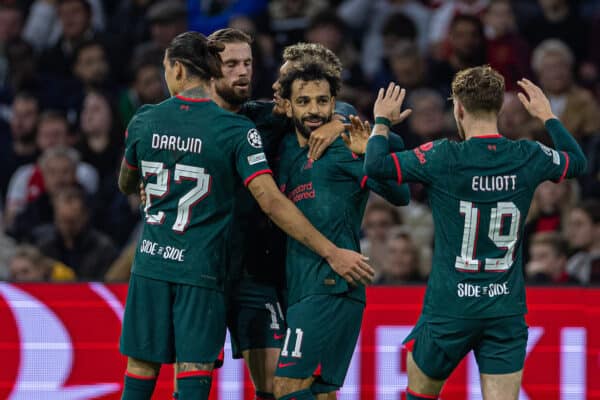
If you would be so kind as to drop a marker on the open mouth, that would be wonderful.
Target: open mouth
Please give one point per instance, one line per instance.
(313, 122)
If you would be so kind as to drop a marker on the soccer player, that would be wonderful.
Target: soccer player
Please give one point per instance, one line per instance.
(325, 313)
(480, 190)
(191, 155)
(256, 273)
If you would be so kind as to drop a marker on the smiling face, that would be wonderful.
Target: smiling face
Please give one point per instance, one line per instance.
(310, 106)
(235, 85)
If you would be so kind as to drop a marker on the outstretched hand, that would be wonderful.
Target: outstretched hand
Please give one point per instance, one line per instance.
(359, 131)
(536, 103)
(389, 103)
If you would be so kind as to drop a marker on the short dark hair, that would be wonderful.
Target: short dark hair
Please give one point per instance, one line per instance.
(230, 35)
(326, 18)
(305, 53)
(309, 72)
(199, 55)
(479, 89)
(86, 44)
(592, 208)
(399, 25)
(552, 239)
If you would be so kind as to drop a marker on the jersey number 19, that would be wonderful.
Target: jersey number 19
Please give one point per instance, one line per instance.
(467, 262)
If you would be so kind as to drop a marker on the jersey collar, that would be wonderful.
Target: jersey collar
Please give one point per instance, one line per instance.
(492, 136)
(199, 100)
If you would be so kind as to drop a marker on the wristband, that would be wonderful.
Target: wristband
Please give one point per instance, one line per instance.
(383, 121)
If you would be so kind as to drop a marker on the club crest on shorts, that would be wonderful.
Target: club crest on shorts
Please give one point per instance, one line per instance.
(254, 138)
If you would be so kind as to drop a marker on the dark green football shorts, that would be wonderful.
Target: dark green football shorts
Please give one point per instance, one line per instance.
(438, 344)
(167, 321)
(254, 316)
(320, 340)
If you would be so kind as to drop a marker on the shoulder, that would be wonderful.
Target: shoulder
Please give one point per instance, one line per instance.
(345, 109)
(256, 107)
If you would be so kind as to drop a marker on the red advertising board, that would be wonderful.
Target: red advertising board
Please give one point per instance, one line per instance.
(61, 342)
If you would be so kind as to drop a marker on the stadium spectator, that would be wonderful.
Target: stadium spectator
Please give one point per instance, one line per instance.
(71, 240)
(372, 16)
(44, 25)
(514, 121)
(146, 88)
(7, 250)
(549, 206)
(18, 146)
(28, 264)
(330, 31)
(379, 217)
(57, 166)
(558, 20)
(401, 261)
(583, 233)
(552, 62)
(428, 120)
(167, 19)
(507, 51)
(466, 48)
(101, 135)
(548, 253)
(11, 24)
(442, 19)
(207, 17)
(129, 21)
(27, 182)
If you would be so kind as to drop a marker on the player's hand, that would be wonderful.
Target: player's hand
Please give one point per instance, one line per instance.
(142, 194)
(536, 103)
(322, 138)
(359, 131)
(351, 266)
(389, 103)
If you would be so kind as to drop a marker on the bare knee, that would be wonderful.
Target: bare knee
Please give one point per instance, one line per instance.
(285, 386)
(142, 368)
(501, 386)
(420, 383)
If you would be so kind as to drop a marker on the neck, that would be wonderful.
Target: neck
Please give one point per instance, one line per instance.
(24, 147)
(194, 90)
(302, 141)
(98, 143)
(480, 127)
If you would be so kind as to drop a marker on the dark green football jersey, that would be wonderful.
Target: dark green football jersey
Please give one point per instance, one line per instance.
(479, 191)
(332, 193)
(190, 154)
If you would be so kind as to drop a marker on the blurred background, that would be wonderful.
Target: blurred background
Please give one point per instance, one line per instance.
(73, 72)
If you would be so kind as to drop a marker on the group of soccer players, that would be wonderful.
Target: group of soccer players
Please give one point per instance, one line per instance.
(210, 258)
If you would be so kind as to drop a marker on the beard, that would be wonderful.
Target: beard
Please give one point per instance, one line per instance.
(233, 94)
(307, 130)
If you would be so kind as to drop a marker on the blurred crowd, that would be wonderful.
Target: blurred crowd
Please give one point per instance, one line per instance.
(73, 72)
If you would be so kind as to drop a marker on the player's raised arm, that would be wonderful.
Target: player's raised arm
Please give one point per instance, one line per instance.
(538, 105)
(350, 265)
(379, 163)
(356, 140)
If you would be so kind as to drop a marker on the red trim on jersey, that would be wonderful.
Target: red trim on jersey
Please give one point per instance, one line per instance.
(410, 345)
(140, 377)
(132, 167)
(492, 136)
(398, 170)
(191, 374)
(564, 174)
(421, 396)
(200, 100)
(257, 173)
(363, 182)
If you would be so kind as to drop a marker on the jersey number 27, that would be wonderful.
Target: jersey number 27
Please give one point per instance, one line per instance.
(467, 261)
(161, 188)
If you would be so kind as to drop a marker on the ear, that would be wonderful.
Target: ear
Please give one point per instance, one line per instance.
(179, 70)
(460, 110)
(288, 108)
(333, 102)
